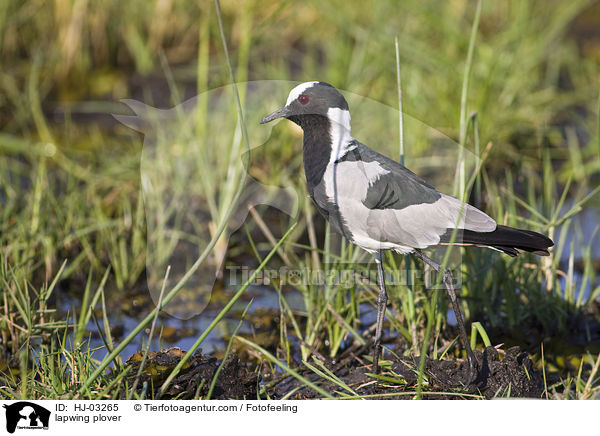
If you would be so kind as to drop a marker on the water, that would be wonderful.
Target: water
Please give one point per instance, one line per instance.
(183, 333)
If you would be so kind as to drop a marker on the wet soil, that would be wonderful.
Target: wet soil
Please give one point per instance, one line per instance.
(234, 380)
(513, 375)
(501, 374)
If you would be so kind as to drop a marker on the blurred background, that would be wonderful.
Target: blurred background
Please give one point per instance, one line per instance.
(75, 226)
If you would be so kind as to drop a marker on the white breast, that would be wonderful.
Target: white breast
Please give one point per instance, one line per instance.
(346, 185)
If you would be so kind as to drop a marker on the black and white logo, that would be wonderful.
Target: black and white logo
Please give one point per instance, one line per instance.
(26, 415)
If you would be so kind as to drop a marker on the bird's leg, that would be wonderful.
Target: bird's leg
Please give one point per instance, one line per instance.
(448, 282)
(381, 305)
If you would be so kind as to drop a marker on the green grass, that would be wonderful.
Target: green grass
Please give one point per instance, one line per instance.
(508, 82)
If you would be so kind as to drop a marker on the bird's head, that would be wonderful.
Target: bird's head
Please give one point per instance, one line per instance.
(310, 99)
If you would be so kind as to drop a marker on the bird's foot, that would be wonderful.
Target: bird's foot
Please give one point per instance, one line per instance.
(470, 384)
(375, 367)
(473, 374)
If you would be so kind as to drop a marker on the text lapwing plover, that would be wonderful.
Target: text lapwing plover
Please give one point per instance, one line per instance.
(378, 204)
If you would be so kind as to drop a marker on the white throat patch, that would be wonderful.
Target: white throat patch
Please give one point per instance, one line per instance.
(339, 130)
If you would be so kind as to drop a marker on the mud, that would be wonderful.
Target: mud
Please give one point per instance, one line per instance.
(502, 374)
(512, 375)
(234, 380)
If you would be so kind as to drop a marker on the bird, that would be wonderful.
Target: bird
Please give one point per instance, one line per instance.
(378, 204)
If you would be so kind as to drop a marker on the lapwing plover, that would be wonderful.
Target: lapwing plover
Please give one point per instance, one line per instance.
(378, 204)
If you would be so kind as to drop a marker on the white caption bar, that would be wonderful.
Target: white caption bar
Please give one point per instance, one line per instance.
(288, 417)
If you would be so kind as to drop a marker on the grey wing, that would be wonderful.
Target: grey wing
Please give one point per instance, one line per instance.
(406, 210)
(422, 225)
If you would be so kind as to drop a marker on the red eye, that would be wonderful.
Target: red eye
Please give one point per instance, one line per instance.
(303, 99)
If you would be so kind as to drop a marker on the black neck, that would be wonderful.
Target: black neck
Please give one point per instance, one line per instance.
(317, 146)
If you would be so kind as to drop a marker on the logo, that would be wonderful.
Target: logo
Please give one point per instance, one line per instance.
(26, 415)
(189, 180)
(198, 169)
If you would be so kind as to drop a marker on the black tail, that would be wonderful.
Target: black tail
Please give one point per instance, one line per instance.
(509, 240)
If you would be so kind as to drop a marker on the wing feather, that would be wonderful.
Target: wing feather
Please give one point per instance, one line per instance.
(422, 225)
